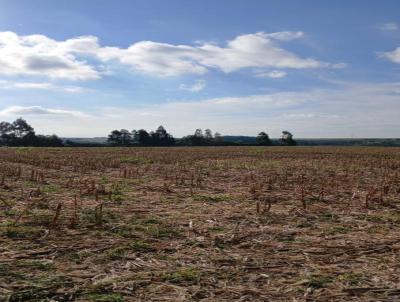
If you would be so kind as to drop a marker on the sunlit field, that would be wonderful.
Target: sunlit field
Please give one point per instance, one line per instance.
(200, 224)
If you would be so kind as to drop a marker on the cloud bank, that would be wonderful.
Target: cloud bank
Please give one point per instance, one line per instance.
(81, 58)
(39, 110)
(39, 86)
(350, 109)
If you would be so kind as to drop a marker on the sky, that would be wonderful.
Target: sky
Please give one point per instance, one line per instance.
(320, 69)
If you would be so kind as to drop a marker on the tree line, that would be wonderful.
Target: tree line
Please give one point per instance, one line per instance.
(123, 137)
(160, 137)
(20, 133)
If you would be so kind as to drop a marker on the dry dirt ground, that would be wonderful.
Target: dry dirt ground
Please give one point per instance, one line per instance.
(200, 224)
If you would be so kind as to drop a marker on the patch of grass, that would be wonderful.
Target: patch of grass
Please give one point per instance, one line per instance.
(10, 274)
(21, 150)
(136, 228)
(51, 189)
(329, 217)
(217, 229)
(19, 231)
(89, 215)
(212, 198)
(163, 232)
(300, 240)
(135, 160)
(188, 275)
(103, 291)
(117, 195)
(79, 257)
(116, 253)
(257, 151)
(40, 217)
(35, 264)
(220, 244)
(394, 218)
(40, 289)
(141, 246)
(352, 279)
(118, 191)
(103, 179)
(319, 281)
(113, 297)
(30, 184)
(150, 221)
(338, 230)
(304, 224)
(373, 218)
(125, 230)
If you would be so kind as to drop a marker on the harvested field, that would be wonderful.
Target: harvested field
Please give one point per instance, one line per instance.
(200, 224)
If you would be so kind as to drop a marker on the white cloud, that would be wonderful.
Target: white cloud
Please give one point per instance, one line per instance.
(38, 110)
(73, 89)
(196, 87)
(390, 26)
(349, 109)
(275, 74)
(393, 56)
(39, 86)
(255, 50)
(244, 51)
(42, 56)
(32, 85)
(285, 35)
(309, 115)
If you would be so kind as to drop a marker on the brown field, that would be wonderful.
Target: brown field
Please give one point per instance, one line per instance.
(200, 224)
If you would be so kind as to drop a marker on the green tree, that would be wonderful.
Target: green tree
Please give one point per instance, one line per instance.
(5, 133)
(120, 137)
(143, 137)
(114, 138)
(263, 139)
(287, 139)
(125, 138)
(208, 136)
(21, 128)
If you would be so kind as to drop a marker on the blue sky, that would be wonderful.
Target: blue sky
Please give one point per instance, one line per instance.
(316, 68)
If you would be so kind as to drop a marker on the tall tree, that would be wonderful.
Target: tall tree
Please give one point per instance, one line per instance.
(287, 139)
(208, 136)
(143, 137)
(114, 138)
(161, 137)
(135, 138)
(126, 138)
(21, 128)
(263, 139)
(5, 132)
(198, 133)
(22, 134)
